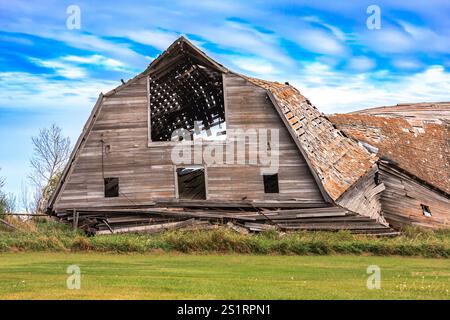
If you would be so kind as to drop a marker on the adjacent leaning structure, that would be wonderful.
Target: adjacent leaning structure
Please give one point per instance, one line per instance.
(124, 174)
(413, 143)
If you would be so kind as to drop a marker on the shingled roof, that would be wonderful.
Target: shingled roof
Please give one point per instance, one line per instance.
(420, 147)
(337, 160)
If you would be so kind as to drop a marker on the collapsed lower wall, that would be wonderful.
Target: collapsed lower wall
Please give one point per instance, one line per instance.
(364, 197)
(405, 199)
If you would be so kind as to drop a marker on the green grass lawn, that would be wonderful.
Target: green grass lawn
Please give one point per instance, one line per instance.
(42, 275)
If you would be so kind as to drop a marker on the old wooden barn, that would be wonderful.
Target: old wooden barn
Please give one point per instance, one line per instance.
(122, 175)
(413, 143)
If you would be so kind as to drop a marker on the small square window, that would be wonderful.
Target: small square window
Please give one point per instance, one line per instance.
(271, 183)
(426, 210)
(111, 187)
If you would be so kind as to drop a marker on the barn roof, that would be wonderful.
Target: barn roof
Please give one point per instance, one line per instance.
(336, 161)
(436, 112)
(418, 144)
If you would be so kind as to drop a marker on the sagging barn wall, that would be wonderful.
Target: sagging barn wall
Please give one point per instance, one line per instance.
(409, 147)
(403, 200)
(364, 197)
(145, 170)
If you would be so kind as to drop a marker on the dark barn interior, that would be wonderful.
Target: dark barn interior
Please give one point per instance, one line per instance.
(191, 183)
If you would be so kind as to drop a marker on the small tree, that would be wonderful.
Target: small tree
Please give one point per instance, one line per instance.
(7, 201)
(51, 150)
(27, 200)
(2, 182)
(3, 199)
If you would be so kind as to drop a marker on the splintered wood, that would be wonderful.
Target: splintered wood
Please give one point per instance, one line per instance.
(241, 220)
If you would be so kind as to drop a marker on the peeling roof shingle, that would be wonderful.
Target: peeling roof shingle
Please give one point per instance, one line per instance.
(337, 160)
(422, 150)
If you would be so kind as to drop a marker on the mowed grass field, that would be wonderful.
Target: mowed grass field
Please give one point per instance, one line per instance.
(42, 275)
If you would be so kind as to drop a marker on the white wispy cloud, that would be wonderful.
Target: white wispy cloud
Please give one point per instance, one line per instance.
(245, 40)
(430, 40)
(320, 41)
(406, 63)
(65, 70)
(406, 38)
(155, 38)
(230, 6)
(91, 43)
(254, 65)
(16, 39)
(98, 44)
(361, 63)
(26, 90)
(97, 60)
(338, 33)
(388, 40)
(73, 67)
(333, 91)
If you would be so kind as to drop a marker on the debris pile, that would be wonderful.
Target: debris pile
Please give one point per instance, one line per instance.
(242, 220)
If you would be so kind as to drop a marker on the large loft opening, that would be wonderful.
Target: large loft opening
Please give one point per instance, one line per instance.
(186, 98)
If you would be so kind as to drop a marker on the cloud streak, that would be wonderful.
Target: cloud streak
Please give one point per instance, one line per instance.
(26, 90)
(335, 92)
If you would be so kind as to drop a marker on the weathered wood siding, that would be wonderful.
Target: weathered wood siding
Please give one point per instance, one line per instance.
(146, 171)
(401, 201)
(364, 197)
(248, 107)
(143, 173)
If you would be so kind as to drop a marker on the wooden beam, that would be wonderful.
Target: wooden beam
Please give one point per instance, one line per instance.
(8, 224)
(75, 219)
(152, 228)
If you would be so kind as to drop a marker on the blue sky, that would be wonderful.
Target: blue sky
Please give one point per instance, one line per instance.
(51, 74)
